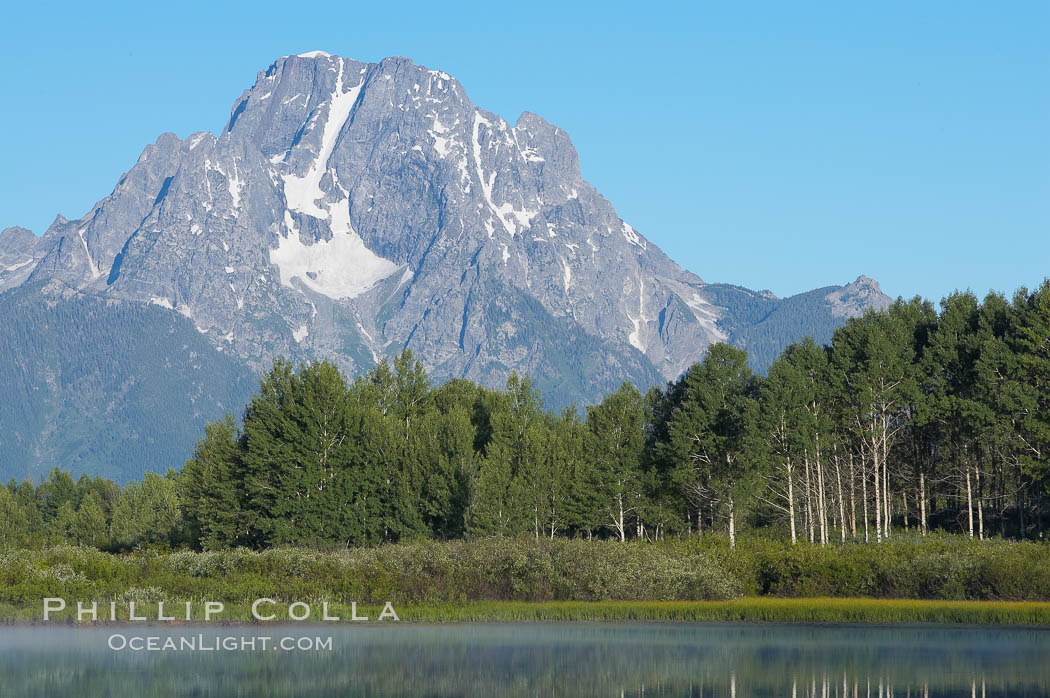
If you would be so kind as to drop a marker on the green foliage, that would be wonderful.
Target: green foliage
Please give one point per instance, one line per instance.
(615, 439)
(519, 569)
(934, 567)
(713, 432)
(1030, 341)
(298, 458)
(523, 569)
(57, 491)
(507, 498)
(14, 524)
(210, 497)
(147, 512)
(88, 524)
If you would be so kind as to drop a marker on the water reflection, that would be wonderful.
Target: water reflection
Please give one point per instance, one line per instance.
(539, 660)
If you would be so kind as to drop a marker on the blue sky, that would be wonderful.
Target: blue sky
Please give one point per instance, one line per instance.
(769, 144)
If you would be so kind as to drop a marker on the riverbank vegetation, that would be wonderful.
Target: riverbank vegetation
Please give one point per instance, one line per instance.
(743, 610)
(523, 570)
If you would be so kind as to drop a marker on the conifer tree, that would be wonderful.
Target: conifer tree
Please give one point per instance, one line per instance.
(1031, 344)
(450, 469)
(55, 491)
(508, 496)
(560, 501)
(210, 489)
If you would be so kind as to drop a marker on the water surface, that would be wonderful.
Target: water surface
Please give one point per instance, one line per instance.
(567, 659)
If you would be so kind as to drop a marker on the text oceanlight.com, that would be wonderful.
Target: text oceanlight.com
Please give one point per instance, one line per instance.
(229, 643)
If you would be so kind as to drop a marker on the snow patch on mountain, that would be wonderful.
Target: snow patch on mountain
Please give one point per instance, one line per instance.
(342, 267)
(302, 193)
(19, 265)
(92, 267)
(338, 268)
(236, 186)
(635, 337)
(486, 184)
(632, 236)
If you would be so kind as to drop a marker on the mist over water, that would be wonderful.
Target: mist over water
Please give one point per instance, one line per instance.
(571, 659)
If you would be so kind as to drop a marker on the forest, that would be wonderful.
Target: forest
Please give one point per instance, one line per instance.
(913, 420)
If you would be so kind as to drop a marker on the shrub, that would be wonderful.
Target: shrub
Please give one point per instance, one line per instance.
(526, 569)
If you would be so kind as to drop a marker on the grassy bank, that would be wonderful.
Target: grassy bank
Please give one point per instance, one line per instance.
(938, 579)
(747, 609)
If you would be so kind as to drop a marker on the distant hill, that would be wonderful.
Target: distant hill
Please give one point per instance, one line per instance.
(105, 387)
(764, 325)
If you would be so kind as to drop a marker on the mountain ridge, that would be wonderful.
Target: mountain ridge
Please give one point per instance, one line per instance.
(351, 210)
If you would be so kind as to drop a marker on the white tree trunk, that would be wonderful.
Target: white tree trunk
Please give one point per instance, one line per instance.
(809, 499)
(852, 498)
(732, 525)
(969, 499)
(820, 495)
(922, 502)
(821, 504)
(842, 504)
(791, 503)
(878, 499)
(864, 497)
(980, 503)
(884, 429)
(887, 510)
(619, 523)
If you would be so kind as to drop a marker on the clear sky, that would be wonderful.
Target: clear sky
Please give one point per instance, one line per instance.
(779, 145)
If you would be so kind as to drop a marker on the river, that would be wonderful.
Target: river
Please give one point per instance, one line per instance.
(552, 659)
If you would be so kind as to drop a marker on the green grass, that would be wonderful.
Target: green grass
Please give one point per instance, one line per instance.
(748, 609)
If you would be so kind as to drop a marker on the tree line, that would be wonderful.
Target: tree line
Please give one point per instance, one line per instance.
(910, 420)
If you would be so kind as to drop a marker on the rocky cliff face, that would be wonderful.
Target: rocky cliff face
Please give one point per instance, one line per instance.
(853, 299)
(350, 210)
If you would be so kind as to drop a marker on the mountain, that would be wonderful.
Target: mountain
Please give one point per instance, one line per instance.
(350, 210)
(110, 388)
(764, 325)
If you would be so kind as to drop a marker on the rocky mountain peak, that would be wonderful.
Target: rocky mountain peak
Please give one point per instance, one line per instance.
(349, 210)
(854, 298)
